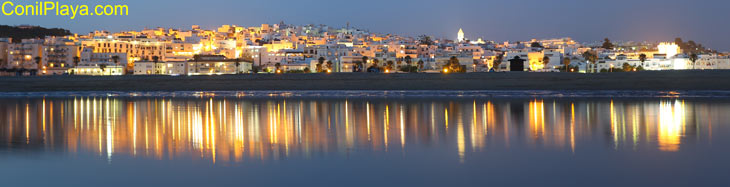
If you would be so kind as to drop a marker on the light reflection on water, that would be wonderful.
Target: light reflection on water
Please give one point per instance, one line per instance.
(232, 132)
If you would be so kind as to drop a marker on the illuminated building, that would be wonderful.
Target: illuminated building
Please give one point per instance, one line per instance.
(670, 49)
(4, 44)
(60, 52)
(216, 65)
(460, 36)
(95, 69)
(160, 68)
(205, 65)
(136, 47)
(23, 54)
(88, 56)
(278, 45)
(475, 51)
(536, 59)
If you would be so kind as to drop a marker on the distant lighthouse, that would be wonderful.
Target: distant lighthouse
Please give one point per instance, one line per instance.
(460, 36)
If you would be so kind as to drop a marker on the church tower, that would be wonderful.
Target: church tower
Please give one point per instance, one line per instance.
(460, 36)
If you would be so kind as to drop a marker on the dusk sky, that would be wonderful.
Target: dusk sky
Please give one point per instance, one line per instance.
(704, 21)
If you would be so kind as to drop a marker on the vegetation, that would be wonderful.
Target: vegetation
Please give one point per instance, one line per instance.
(498, 61)
(197, 58)
(156, 59)
(409, 68)
(408, 63)
(37, 62)
(420, 65)
(374, 67)
(425, 40)
(362, 64)
(624, 68)
(642, 58)
(320, 62)
(76, 60)
(329, 66)
(389, 65)
(566, 63)
(358, 66)
(536, 45)
(692, 47)
(568, 68)
(115, 58)
(474, 65)
(607, 44)
(693, 57)
(627, 67)
(591, 57)
(30, 32)
(238, 64)
(453, 66)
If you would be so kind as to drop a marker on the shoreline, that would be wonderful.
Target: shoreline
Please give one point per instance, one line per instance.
(708, 80)
(378, 94)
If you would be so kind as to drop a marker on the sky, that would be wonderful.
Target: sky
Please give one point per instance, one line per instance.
(704, 21)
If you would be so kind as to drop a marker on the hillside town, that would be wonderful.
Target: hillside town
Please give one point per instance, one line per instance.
(284, 48)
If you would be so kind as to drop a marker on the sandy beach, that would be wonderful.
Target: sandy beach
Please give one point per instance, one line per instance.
(655, 81)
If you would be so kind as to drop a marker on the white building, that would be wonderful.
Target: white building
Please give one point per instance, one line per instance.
(97, 69)
(23, 54)
(88, 56)
(4, 46)
(203, 65)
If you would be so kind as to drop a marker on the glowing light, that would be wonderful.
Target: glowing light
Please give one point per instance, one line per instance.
(671, 125)
(460, 35)
(670, 49)
(537, 118)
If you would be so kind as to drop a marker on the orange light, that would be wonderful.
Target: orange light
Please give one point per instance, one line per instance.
(446, 70)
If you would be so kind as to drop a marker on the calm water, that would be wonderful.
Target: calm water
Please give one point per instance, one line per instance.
(121, 141)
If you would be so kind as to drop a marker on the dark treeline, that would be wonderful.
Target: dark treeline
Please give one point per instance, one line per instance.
(18, 33)
(691, 47)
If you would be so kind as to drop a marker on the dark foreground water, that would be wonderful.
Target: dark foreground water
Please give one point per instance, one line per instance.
(158, 141)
